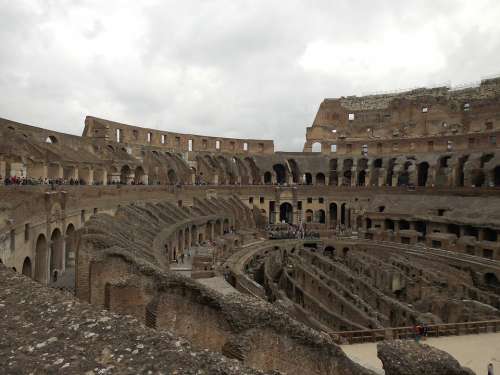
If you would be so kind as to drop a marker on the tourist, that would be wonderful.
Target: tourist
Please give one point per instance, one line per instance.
(490, 369)
(418, 332)
(182, 258)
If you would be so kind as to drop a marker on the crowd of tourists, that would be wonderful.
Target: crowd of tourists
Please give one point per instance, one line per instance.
(290, 231)
(14, 180)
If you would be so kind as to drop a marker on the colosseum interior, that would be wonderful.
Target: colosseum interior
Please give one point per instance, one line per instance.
(253, 260)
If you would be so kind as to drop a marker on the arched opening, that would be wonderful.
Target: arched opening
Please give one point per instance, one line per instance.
(320, 179)
(41, 259)
(368, 223)
(389, 224)
(404, 175)
(362, 178)
(254, 171)
(460, 170)
(347, 177)
(477, 178)
(343, 214)
(390, 172)
(333, 214)
(56, 253)
(309, 216)
(308, 179)
(423, 172)
(490, 235)
(376, 172)
(281, 173)
(139, 176)
(69, 251)
(27, 267)
(362, 168)
(286, 213)
(124, 174)
(404, 225)
(442, 172)
(491, 279)
(316, 147)
(225, 226)
(320, 216)
(172, 177)
(295, 171)
(268, 178)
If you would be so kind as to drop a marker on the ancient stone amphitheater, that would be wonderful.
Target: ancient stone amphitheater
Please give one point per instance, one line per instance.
(160, 252)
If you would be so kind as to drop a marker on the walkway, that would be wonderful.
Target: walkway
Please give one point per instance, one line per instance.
(473, 351)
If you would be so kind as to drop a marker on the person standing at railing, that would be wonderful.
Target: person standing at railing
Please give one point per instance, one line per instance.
(417, 329)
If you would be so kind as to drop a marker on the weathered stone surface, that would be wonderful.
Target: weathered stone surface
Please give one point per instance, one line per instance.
(404, 357)
(44, 331)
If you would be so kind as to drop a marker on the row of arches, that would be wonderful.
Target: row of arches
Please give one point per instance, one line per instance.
(286, 214)
(52, 257)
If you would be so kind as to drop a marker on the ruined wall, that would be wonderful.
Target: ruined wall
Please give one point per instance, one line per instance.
(420, 120)
(110, 131)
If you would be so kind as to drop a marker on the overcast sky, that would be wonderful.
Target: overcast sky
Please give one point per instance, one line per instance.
(253, 69)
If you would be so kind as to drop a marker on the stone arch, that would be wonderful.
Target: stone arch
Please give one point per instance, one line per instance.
(225, 226)
(422, 173)
(309, 216)
(333, 214)
(41, 259)
(347, 168)
(254, 171)
(56, 253)
(362, 178)
(139, 175)
(286, 212)
(124, 174)
(477, 178)
(281, 173)
(389, 224)
(268, 178)
(390, 171)
(320, 216)
(308, 178)
(404, 175)
(294, 167)
(460, 181)
(320, 179)
(491, 279)
(27, 271)
(343, 214)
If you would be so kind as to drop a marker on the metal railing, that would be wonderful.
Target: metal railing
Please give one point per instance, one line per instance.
(433, 330)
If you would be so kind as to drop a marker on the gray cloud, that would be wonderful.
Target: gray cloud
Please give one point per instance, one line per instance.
(254, 69)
